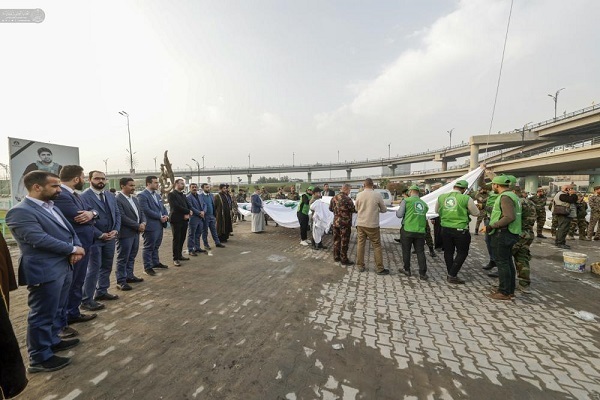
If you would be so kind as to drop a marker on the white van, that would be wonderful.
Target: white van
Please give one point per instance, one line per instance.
(386, 194)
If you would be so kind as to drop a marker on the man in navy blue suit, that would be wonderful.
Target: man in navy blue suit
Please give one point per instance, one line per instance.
(49, 249)
(196, 224)
(81, 216)
(210, 220)
(102, 252)
(133, 222)
(156, 217)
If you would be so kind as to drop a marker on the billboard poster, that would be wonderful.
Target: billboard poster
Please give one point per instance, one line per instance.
(28, 155)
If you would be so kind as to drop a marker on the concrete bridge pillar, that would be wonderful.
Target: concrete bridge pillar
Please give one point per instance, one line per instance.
(349, 173)
(594, 180)
(392, 168)
(474, 162)
(531, 183)
(309, 176)
(444, 165)
(249, 179)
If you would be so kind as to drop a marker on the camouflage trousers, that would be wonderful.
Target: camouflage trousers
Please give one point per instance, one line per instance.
(540, 220)
(522, 256)
(554, 225)
(480, 219)
(235, 215)
(341, 240)
(594, 219)
(578, 225)
(428, 237)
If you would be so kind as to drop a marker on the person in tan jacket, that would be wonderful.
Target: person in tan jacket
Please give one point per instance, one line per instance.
(369, 204)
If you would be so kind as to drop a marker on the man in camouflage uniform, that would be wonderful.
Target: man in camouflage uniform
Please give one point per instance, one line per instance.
(481, 196)
(234, 208)
(241, 198)
(579, 223)
(342, 207)
(280, 195)
(539, 200)
(520, 250)
(594, 203)
(265, 195)
(293, 194)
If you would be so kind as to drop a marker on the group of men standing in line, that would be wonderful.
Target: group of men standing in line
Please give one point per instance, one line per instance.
(68, 240)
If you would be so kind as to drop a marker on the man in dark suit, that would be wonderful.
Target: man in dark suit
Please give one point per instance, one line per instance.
(81, 216)
(157, 217)
(49, 248)
(327, 191)
(133, 222)
(102, 252)
(196, 221)
(179, 216)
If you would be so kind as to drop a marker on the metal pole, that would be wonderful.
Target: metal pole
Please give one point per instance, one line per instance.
(248, 160)
(450, 133)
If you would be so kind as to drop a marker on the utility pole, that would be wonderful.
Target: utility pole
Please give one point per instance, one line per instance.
(555, 98)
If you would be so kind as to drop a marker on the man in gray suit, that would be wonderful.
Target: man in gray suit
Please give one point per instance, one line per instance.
(49, 248)
(133, 222)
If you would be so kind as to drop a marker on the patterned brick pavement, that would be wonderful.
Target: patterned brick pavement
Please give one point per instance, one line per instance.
(267, 318)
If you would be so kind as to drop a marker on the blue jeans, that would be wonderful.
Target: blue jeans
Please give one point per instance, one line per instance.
(152, 242)
(97, 279)
(210, 222)
(127, 249)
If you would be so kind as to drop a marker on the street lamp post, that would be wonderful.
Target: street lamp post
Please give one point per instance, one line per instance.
(523, 134)
(131, 170)
(450, 133)
(106, 170)
(555, 98)
(191, 172)
(202, 163)
(338, 156)
(389, 150)
(248, 160)
(197, 165)
(156, 169)
(293, 159)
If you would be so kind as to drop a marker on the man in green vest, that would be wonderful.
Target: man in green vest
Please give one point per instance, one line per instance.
(504, 229)
(413, 212)
(302, 214)
(454, 209)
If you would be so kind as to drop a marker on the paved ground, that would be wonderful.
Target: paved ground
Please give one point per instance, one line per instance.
(259, 319)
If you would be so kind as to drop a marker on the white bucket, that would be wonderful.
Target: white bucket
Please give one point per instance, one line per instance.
(574, 262)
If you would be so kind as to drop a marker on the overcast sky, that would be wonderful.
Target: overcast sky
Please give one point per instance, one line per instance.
(271, 78)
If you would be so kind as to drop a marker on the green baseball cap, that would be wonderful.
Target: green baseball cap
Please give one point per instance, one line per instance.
(462, 184)
(414, 187)
(310, 188)
(504, 180)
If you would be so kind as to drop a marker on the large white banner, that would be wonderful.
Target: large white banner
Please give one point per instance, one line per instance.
(284, 211)
(28, 155)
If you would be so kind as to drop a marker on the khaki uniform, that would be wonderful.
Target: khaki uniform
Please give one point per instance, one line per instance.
(594, 203)
(540, 210)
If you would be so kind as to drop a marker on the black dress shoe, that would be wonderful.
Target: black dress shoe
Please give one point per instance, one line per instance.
(220, 245)
(193, 254)
(65, 345)
(177, 263)
(134, 279)
(455, 280)
(106, 296)
(92, 306)
(124, 286)
(54, 363)
(423, 277)
(161, 265)
(67, 332)
(81, 318)
(397, 240)
(384, 272)
(337, 259)
(347, 263)
(493, 275)
(490, 265)
(201, 251)
(404, 271)
(184, 259)
(542, 236)
(207, 247)
(150, 271)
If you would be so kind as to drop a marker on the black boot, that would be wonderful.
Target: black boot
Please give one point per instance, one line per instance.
(490, 265)
(432, 252)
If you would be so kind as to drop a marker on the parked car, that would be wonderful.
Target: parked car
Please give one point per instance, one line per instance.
(386, 194)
